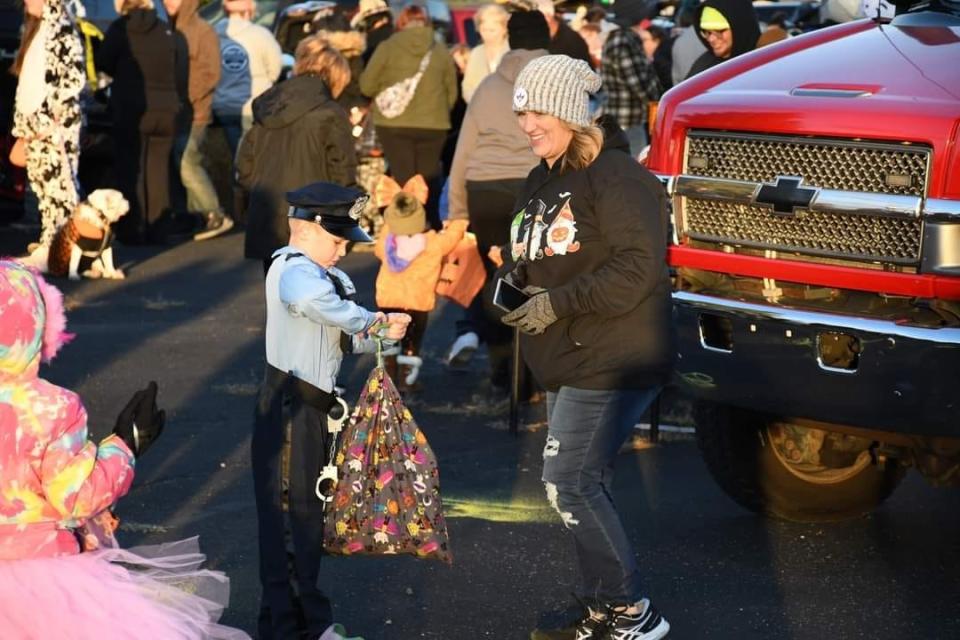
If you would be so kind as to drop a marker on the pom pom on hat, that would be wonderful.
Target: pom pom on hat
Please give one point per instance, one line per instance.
(55, 325)
(556, 85)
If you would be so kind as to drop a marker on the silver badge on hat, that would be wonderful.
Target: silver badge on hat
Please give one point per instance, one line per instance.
(520, 98)
(358, 206)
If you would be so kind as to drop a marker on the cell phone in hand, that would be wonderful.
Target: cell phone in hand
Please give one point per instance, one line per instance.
(508, 297)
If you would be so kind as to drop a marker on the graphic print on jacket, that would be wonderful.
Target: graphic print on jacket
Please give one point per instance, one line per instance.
(545, 233)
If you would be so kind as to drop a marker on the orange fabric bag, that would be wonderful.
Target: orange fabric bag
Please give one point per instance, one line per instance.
(462, 274)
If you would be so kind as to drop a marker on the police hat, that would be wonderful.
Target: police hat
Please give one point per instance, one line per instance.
(337, 209)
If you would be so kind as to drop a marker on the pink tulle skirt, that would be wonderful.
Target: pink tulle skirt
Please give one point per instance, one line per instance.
(158, 592)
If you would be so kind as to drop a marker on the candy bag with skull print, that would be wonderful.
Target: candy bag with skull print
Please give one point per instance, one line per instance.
(387, 498)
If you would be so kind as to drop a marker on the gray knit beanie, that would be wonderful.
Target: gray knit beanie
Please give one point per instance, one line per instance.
(558, 86)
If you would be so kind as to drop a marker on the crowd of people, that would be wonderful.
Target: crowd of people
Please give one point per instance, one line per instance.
(524, 147)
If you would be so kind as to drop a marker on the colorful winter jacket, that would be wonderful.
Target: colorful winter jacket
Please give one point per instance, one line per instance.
(414, 288)
(52, 478)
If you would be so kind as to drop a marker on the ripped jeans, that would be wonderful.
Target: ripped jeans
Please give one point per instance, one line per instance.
(586, 430)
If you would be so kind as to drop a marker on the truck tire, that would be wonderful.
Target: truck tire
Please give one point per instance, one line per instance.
(779, 468)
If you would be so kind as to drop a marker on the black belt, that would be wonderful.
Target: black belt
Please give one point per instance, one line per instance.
(309, 394)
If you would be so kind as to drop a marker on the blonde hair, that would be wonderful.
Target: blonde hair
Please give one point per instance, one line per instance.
(584, 147)
(133, 5)
(315, 56)
(490, 11)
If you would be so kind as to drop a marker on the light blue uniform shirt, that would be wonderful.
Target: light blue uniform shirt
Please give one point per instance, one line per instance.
(306, 317)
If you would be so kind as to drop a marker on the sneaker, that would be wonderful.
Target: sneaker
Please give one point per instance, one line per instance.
(462, 350)
(586, 628)
(337, 632)
(646, 625)
(216, 224)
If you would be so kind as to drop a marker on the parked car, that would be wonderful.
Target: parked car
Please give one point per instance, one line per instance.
(816, 247)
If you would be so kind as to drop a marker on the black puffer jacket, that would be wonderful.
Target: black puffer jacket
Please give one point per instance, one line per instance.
(596, 240)
(300, 135)
(743, 23)
(140, 52)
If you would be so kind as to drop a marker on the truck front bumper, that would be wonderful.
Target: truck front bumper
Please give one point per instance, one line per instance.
(906, 378)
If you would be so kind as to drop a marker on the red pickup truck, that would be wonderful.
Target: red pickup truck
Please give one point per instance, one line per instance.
(815, 187)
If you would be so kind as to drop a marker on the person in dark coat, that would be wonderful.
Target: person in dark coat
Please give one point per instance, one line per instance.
(588, 246)
(147, 97)
(300, 135)
(374, 19)
(728, 28)
(564, 40)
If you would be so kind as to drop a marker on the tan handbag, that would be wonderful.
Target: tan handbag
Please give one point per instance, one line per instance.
(18, 153)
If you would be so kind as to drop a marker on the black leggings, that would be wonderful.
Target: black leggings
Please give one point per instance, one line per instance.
(412, 342)
(412, 151)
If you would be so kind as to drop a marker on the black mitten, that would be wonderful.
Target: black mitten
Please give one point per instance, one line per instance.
(141, 422)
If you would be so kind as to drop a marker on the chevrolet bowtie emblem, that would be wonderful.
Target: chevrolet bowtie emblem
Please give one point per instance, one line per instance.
(786, 195)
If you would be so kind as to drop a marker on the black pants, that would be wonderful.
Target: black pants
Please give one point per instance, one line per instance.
(284, 613)
(412, 151)
(141, 166)
(413, 340)
(492, 205)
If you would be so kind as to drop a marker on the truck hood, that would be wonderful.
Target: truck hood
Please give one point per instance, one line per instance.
(871, 80)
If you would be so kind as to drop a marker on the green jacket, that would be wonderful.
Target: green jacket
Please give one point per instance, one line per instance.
(398, 58)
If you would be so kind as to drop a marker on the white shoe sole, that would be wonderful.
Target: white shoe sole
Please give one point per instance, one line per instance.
(225, 226)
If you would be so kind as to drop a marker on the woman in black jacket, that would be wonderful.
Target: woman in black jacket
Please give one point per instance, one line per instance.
(300, 135)
(147, 61)
(589, 247)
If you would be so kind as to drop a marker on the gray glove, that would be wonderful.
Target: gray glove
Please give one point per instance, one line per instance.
(534, 315)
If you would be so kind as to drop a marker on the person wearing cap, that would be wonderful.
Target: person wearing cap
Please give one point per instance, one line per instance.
(588, 246)
(312, 322)
(728, 28)
(250, 63)
(147, 63)
(373, 18)
(300, 135)
(629, 77)
(490, 164)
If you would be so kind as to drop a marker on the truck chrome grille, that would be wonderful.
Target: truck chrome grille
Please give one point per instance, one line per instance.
(852, 166)
(831, 235)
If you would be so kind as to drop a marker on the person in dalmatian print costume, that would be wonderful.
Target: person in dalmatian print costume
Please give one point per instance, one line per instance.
(47, 114)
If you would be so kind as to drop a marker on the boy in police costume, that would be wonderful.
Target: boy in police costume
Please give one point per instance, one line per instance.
(311, 323)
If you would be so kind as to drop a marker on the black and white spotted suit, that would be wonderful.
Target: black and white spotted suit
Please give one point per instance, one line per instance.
(52, 131)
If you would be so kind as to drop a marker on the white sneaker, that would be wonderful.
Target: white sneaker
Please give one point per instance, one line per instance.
(463, 349)
(414, 362)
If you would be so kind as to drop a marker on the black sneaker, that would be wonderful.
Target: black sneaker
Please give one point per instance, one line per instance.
(586, 628)
(216, 224)
(646, 625)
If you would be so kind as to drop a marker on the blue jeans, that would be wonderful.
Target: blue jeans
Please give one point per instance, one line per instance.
(586, 429)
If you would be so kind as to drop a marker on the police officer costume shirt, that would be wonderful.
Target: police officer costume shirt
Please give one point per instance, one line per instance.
(308, 306)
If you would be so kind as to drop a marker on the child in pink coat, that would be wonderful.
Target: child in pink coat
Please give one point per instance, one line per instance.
(54, 482)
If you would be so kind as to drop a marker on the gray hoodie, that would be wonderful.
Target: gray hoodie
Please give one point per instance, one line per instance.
(491, 145)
